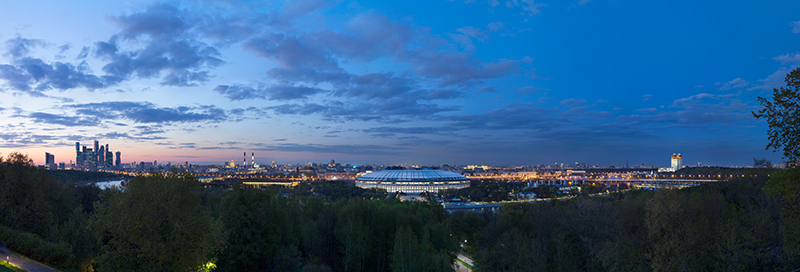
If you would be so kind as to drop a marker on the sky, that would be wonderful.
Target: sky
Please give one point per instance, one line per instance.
(518, 82)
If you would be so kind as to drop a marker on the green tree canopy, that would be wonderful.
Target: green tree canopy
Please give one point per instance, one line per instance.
(156, 224)
(783, 116)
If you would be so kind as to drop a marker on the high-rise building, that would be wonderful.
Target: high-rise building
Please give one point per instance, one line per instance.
(77, 153)
(96, 148)
(50, 161)
(677, 162)
(118, 162)
(88, 161)
(109, 158)
(101, 157)
(84, 157)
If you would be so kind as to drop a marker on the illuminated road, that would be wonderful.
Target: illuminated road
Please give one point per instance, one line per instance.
(459, 267)
(22, 262)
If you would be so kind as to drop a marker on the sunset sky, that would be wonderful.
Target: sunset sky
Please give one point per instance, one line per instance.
(388, 82)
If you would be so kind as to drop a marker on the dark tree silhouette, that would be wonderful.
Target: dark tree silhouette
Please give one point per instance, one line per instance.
(783, 116)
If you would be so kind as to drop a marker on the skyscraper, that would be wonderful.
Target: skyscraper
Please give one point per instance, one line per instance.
(96, 148)
(677, 161)
(119, 159)
(109, 157)
(50, 161)
(84, 157)
(77, 153)
(101, 157)
(88, 160)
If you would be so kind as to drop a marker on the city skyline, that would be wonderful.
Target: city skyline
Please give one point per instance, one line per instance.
(370, 82)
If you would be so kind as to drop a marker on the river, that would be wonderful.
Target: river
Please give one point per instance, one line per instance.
(109, 183)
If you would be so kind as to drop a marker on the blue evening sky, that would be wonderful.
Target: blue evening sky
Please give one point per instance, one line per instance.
(388, 82)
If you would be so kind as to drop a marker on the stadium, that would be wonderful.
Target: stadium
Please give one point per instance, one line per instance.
(412, 181)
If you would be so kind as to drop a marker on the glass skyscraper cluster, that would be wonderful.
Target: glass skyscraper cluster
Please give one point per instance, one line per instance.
(100, 157)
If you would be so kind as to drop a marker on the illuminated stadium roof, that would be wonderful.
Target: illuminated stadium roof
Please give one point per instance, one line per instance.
(412, 175)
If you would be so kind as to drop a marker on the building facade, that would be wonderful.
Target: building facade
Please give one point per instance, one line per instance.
(677, 162)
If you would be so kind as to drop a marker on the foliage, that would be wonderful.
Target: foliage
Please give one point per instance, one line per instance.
(29, 199)
(332, 191)
(484, 191)
(268, 230)
(166, 222)
(259, 232)
(785, 187)
(5, 267)
(45, 213)
(783, 117)
(545, 191)
(728, 226)
(762, 163)
(156, 224)
(59, 254)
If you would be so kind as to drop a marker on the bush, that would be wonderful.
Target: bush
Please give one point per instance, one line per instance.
(33, 246)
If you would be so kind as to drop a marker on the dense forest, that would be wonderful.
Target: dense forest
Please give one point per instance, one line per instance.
(168, 222)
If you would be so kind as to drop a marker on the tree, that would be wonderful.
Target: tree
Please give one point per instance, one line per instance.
(783, 117)
(156, 224)
(762, 163)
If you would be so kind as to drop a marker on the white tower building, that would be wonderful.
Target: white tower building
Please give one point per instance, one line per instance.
(677, 161)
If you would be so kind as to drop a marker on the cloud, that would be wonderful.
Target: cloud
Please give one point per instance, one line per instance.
(169, 47)
(69, 121)
(295, 9)
(572, 102)
(734, 84)
(161, 42)
(119, 135)
(34, 76)
(530, 7)
(285, 92)
(309, 59)
(333, 149)
(486, 89)
(18, 47)
(775, 80)
(147, 130)
(695, 97)
(388, 131)
(146, 112)
(702, 111)
(795, 26)
(788, 58)
(291, 53)
(458, 68)
(465, 35)
(275, 92)
(376, 86)
(236, 92)
(369, 36)
(510, 116)
(392, 110)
